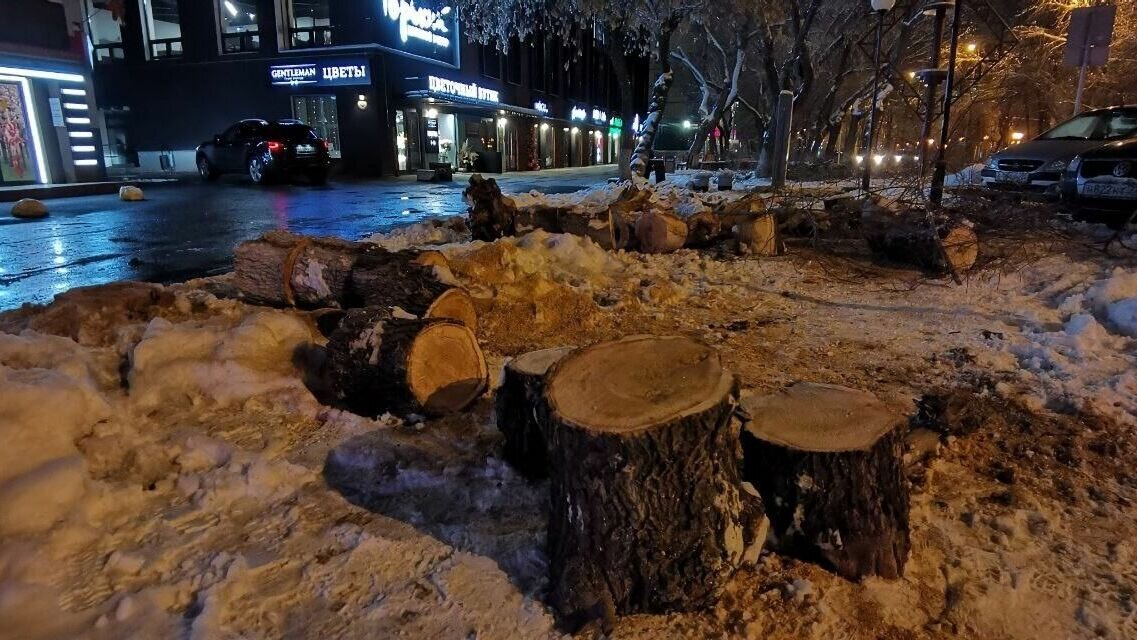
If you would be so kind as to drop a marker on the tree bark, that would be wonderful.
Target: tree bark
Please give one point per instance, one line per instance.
(827, 462)
(647, 513)
(519, 410)
(379, 363)
(641, 158)
(282, 268)
(950, 247)
(759, 236)
(490, 215)
(415, 283)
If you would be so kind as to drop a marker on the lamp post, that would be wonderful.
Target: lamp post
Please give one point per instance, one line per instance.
(880, 7)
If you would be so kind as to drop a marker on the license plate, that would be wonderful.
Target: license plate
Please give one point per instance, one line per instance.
(1012, 177)
(1121, 190)
(305, 148)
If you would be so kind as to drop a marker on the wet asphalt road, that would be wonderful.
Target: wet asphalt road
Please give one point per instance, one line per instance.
(189, 230)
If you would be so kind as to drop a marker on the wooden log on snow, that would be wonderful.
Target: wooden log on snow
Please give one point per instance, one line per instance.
(827, 463)
(379, 363)
(646, 511)
(519, 408)
(282, 268)
(758, 236)
(660, 232)
(950, 247)
(703, 229)
(418, 284)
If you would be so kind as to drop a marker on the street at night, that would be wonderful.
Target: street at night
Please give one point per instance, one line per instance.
(189, 230)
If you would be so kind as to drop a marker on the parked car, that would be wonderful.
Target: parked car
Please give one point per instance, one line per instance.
(265, 151)
(1038, 165)
(1104, 179)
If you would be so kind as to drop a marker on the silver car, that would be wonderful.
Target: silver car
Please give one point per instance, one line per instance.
(1037, 166)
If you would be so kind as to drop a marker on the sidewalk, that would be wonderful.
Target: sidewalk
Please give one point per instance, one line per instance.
(67, 190)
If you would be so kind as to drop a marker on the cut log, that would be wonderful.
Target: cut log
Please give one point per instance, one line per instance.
(519, 407)
(659, 232)
(411, 282)
(950, 247)
(703, 229)
(827, 462)
(646, 512)
(282, 268)
(758, 237)
(379, 363)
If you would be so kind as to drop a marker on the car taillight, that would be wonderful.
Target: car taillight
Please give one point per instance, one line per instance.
(323, 144)
(274, 146)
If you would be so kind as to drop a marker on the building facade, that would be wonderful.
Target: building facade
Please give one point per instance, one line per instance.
(48, 132)
(391, 84)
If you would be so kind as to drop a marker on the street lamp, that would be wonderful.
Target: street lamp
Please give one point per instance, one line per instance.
(880, 7)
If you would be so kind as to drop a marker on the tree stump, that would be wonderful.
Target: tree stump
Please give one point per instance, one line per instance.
(646, 512)
(379, 363)
(491, 215)
(282, 268)
(758, 236)
(827, 462)
(420, 284)
(659, 232)
(519, 407)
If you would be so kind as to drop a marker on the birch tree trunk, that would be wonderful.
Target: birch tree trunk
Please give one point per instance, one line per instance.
(649, 128)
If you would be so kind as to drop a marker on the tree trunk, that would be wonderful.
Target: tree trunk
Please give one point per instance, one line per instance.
(951, 247)
(659, 232)
(490, 215)
(519, 410)
(759, 236)
(282, 268)
(619, 59)
(379, 363)
(414, 283)
(646, 513)
(827, 462)
(641, 158)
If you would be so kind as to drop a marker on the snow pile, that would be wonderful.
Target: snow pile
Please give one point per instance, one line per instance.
(419, 234)
(565, 258)
(967, 176)
(187, 362)
(1114, 302)
(678, 199)
(597, 196)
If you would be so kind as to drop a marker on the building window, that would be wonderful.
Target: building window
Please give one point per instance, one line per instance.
(553, 69)
(513, 62)
(319, 112)
(537, 70)
(238, 21)
(307, 22)
(491, 61)
(162, 29)
(105, 19)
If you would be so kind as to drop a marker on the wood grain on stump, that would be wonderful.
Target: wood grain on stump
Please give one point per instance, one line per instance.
(410, 281)
(827, 462)
(379, 363)
(660, 232)
(646, 512)
(519, 408)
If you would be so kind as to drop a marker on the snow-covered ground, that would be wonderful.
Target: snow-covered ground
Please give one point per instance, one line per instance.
(169, 470)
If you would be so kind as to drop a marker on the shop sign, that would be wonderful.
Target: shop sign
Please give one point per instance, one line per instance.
(599, 116)
(431, 135)
(462, 89)
(421, 28)
(541, 107)
(578, 113)
(332, 72)
(617, 122)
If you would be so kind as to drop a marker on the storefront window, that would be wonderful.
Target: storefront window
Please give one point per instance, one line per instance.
(400, 141)
(105, 19)
(319, 112)
(307, 22)
(447, 133)
(162, 29)
(17, 150)
(238, 22)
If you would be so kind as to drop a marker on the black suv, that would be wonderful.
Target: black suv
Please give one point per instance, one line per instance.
(265, 151)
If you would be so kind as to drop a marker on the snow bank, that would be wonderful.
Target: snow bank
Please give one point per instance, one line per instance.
(419, 234)
(565, 258)
(966, 176)
(600, 195)
(187, 362)
(1114, 302)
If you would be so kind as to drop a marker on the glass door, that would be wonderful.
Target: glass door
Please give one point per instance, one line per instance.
(319, 112)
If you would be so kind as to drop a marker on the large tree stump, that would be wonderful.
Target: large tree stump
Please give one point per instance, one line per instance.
(946, 247)
(282, 268)
(519, 409)
(759, 236)
(646, 511)
(827, 462)
(420, 284)
(490, 214)
(660, 232)
(379, 363)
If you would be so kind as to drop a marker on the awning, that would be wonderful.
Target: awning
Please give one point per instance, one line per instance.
(441, 99)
